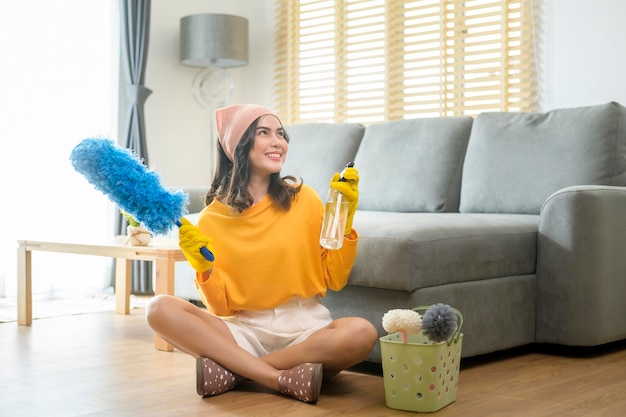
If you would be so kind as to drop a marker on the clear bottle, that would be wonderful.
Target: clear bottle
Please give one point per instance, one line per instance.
(335, 216)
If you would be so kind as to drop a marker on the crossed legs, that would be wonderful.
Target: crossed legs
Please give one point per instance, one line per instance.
(342, 344)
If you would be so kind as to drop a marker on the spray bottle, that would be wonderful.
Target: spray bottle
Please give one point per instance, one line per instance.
(335, 216)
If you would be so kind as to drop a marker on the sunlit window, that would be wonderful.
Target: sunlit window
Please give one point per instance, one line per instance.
(374, 60)
(58, 86)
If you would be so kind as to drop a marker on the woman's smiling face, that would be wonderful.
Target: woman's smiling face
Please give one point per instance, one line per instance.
(270, 147)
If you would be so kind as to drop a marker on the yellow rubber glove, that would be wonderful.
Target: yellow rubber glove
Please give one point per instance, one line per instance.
(191, 240)
(348, 184)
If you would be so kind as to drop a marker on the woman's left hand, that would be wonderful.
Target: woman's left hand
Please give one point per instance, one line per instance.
(349, 187)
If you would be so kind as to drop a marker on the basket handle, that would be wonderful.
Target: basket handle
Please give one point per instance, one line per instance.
(457, 332)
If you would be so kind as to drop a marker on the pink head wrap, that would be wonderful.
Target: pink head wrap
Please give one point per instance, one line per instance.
(233, 121)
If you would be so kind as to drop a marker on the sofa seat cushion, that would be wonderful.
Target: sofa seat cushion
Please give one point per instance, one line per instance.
(410, 251)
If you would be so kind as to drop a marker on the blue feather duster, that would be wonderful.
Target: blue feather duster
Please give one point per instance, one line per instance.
(126, 181)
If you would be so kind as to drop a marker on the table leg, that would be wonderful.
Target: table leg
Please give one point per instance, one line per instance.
(24, 287)
(164, 285)
(123, 271)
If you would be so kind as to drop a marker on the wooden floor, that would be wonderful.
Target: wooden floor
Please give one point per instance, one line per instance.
(103, 364)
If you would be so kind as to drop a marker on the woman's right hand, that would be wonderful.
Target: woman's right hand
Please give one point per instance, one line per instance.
(191, 240)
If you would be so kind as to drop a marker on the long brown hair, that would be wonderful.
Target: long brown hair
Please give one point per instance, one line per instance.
(230, 181)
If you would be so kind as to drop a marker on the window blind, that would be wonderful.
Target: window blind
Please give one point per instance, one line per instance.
(373, 60)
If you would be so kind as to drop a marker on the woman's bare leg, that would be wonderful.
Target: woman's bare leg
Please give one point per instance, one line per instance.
(343, 343)
(195, 331)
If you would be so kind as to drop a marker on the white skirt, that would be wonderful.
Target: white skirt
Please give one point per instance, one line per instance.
(265, 331)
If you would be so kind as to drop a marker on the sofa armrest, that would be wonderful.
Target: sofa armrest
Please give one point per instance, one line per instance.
(196, 196)
(196, 204)
(581, 266)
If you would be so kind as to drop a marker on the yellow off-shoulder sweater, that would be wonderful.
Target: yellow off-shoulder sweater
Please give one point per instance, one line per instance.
(264, 256)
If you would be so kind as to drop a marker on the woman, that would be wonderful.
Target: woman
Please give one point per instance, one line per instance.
(264, 320)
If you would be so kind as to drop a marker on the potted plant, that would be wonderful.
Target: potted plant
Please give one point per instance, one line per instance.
(137, 234)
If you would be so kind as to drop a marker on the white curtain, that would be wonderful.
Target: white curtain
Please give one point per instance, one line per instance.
(58, 86)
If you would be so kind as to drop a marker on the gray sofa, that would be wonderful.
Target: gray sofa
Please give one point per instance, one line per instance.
(516, 219)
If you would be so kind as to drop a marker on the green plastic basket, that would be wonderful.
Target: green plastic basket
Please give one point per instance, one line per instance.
(421, 375)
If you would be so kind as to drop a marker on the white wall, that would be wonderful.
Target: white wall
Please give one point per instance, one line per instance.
(177, 128)
(586, 57)
(583, 62)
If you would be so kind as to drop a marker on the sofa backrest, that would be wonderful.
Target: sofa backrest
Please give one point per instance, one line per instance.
(318, 150)
(413, 165)
(515, 161)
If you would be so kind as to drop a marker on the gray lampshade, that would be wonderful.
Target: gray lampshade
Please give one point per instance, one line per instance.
(214, 39)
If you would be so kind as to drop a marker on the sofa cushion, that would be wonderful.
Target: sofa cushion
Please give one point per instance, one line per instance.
(515, 161)
(410, 251)
(318, 150)
(413, 165)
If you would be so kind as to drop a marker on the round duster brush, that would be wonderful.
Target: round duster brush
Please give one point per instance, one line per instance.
(407, 322)
(439, 322)
(126, 181)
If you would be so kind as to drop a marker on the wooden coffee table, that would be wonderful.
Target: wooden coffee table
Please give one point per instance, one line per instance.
(163, 252)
